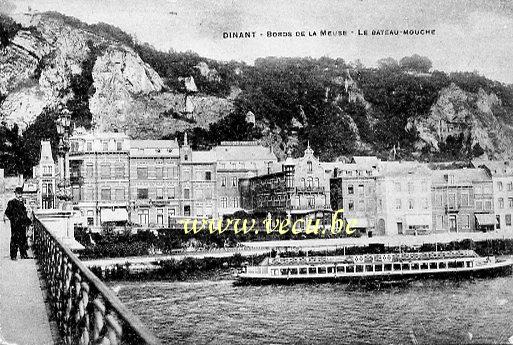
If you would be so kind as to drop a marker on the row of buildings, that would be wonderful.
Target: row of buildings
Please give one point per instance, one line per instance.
(390, 197)
(150, 182)
(154, 183)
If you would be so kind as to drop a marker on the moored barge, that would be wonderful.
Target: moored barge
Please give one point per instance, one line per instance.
(374, 267)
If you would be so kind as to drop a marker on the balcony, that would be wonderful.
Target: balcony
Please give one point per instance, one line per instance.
(310, 190)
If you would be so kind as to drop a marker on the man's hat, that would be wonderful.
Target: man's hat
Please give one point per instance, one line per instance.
(18, 190)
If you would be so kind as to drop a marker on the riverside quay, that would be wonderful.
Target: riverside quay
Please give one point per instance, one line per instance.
(157, 183)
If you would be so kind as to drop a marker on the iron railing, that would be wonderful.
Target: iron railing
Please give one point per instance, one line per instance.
(87, 312)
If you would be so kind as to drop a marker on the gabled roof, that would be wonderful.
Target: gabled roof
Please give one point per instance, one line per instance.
(46, 152)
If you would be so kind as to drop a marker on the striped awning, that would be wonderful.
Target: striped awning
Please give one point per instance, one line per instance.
(486, 219)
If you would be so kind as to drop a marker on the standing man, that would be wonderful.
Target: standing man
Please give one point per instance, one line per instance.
(17, 214)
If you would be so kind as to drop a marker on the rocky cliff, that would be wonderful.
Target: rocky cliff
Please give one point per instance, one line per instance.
(470, 116)
(40, 67)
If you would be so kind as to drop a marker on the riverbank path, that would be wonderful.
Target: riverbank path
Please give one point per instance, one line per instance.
(23, 316)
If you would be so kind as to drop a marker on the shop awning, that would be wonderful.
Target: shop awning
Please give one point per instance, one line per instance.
(486, 219)
(116, 215)
(419, 219)
(358, 223)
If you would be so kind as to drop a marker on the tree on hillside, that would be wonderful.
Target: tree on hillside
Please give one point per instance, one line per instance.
(416, 63)
(11, 150)
(8, 29)
(329, 134)
(388, 63)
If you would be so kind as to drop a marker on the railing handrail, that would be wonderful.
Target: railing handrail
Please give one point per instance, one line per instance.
(126, 315)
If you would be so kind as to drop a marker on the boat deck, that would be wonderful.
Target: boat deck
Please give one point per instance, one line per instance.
(375, 266)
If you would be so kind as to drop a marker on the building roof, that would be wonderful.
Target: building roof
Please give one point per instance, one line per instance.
(99, 135)
(496, 168)
(243, 151)
(366, 160)
(203, 157)
(46, 152)
(403, 168)
(466, 176)
(153, 144)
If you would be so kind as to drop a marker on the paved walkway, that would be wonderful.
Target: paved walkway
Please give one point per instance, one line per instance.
(23, 317)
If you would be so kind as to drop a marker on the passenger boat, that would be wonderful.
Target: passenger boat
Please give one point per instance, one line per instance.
(390, 267)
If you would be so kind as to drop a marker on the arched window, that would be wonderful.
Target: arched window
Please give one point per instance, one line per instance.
(309, 182)
(317, 183)
(303, 183)
(310, 167)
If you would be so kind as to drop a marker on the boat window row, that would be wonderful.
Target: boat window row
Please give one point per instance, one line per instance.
(415, 266)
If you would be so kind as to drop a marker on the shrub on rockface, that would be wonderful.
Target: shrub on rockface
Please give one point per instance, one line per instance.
(8, 29)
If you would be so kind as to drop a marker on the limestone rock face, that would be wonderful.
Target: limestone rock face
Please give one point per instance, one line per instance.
(189, 84)
(470, 115)
(121, 69)
(36, 67)
(24, 105)
(210, 74)
(19, 60)
(39, 66)
(120, 79)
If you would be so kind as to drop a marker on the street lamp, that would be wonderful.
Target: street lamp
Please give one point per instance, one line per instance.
(63, 125)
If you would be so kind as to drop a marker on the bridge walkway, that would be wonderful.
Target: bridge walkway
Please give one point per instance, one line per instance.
(23, 316)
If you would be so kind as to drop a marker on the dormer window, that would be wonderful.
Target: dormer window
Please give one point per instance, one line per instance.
(185, 157)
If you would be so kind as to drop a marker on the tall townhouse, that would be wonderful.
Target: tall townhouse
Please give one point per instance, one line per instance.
(99, 174)
(501, 173)
(353, 189)
(403, 194)
(238, 160)
(198, 182)
(154, 182)
(46, 175)
(462, 200)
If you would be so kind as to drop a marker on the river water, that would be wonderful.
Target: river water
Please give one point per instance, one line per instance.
(425, 312)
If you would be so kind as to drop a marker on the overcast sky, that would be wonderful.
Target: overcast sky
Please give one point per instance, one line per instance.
(471, 35)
